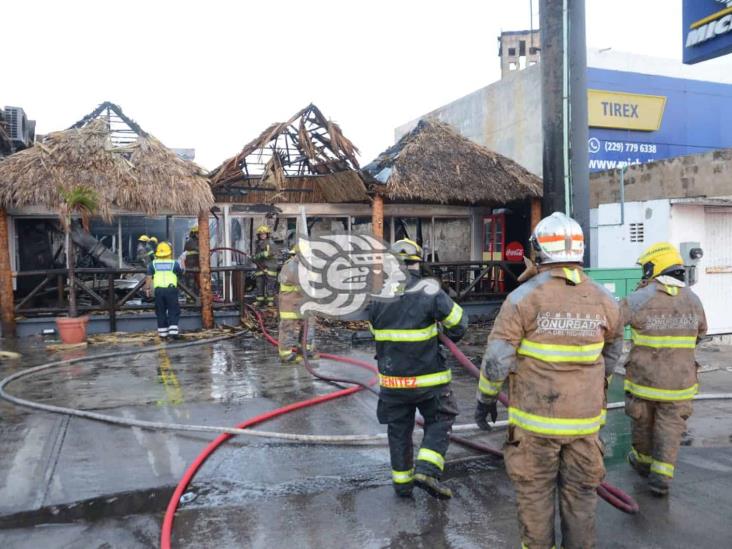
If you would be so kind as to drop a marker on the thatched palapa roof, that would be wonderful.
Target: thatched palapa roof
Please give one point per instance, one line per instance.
(128, 169)
(305, 159)
(434, 163)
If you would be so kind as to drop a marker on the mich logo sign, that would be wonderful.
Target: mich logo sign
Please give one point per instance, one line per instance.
(707, 26)
(625, 111)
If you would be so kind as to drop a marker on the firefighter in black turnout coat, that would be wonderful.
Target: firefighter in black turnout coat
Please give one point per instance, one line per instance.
(413, 375)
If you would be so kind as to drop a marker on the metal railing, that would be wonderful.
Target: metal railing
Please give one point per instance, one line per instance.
(113, 291)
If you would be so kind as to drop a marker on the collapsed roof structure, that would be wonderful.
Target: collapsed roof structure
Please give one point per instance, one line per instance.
(305, 159)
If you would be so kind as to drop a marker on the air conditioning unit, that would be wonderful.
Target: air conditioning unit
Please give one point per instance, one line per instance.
(20, 130)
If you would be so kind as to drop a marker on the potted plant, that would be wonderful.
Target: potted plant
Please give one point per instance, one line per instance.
(82, 202)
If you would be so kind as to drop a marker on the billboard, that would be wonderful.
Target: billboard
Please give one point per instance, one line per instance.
(707, 29)
(636, 118)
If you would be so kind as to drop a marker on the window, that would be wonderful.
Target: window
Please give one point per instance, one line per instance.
(637, 232)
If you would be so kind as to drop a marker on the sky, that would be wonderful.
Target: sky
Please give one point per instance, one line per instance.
(213, 74)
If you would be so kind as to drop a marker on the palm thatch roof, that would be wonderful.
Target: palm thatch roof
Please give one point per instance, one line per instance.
(306, 158)
(434, 163)
(136, 173)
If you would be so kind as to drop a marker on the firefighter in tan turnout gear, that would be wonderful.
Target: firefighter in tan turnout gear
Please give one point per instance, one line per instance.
(265, 258)
(556, 338)
(666, 320)
(291, 323)
(413, 375)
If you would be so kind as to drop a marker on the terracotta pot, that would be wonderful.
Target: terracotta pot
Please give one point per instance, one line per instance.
(72, 330)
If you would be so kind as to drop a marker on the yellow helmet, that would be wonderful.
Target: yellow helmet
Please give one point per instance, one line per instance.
(143, 238)
(164, 250)
(263, 229)
(194, 229)
(407, 250)
(153, 239)
(295, 249)
(659, 258)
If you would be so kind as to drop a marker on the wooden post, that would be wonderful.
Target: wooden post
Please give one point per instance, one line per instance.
(377, 227)
(377, 216)
(7, 305)
(535, 213)
(204, 281)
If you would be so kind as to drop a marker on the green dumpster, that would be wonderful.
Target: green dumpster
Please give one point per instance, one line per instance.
(620, 282)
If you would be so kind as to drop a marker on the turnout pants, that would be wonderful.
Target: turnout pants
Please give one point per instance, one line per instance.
(538, 466)
(290, 335)
(396, 409)
(266, 287)
(657, 428)
(167, 309)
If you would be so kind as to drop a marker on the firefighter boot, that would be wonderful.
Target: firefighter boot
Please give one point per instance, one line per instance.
(404, 490)
(291, 358)
(658, 484)
(432, 486)
(643, 469)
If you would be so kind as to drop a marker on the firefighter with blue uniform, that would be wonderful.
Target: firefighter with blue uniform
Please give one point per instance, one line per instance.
(413, 375)
(162, 277)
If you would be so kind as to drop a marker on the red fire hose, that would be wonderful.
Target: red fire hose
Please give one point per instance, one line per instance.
(609, 493)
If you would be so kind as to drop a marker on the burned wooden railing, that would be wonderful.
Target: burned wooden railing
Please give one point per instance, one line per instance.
(476, 279)
(103, 287)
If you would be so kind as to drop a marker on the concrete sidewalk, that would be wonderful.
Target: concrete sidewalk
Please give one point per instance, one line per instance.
(76, 483)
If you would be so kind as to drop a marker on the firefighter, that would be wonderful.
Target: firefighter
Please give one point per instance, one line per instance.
(666, 320)
(265, 257)
(162, 278)
(556, 338)
(152, 245)
(141, 254)
(192, 259)
(413, 374)
(291, 323)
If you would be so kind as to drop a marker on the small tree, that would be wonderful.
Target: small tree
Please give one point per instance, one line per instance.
(78, 201)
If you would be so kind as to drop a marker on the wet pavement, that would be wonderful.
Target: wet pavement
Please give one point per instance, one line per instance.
(70, 482)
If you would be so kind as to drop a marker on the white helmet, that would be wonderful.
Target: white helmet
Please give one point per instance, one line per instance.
(558, 239)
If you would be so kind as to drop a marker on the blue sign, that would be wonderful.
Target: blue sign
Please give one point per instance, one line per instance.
(707, 29)
(694, 120)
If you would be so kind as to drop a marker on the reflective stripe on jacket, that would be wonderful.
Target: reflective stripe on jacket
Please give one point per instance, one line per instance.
(555, 339)
(164, 275)
(405, 330)
(290, 297)
(666, 319)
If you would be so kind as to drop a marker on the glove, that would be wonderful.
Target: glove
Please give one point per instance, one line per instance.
(482, 411)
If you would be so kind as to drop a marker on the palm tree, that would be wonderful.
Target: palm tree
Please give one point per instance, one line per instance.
(78, 201)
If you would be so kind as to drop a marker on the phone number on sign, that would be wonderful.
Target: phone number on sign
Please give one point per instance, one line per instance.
(622, 146)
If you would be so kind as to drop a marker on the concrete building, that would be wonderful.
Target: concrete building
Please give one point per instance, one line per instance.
(518, 50)
(641, 109)
(686, 201)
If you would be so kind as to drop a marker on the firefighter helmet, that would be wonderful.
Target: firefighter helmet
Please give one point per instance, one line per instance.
(164, 250)
(153, 239)
(558, 239)
(660, 258)
(263, 229)
(143, 238)
(295, 249)
(194, 229)
(407, 250)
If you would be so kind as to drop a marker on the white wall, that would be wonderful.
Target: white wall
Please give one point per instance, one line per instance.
(611, 246)
(675, 223)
